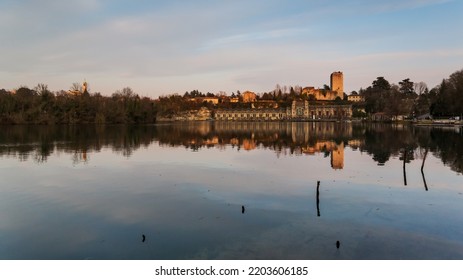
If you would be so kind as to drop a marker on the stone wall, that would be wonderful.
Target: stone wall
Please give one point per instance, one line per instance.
(190, 115)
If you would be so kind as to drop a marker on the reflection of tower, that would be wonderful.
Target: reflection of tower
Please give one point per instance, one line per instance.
(249, 144)
(337, 83)
(337, 157)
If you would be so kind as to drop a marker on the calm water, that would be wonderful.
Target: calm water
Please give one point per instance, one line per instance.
(93, 192)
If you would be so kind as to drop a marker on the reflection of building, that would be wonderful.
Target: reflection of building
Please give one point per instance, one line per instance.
(296, 132)
(355, 143)
(337, 157)
(336, 152)
(249, 144)
(297, 138)
(299, 110)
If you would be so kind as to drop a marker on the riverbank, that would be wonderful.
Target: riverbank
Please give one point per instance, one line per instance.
(438, 123)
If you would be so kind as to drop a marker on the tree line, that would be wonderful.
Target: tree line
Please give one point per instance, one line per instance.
(415, 99)
(41, 106)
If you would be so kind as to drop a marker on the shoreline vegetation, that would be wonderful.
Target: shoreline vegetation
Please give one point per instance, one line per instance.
(381, 102)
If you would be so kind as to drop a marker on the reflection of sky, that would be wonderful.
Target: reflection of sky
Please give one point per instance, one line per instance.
(188, 204)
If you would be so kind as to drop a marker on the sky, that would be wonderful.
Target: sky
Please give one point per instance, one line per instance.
(166, 47)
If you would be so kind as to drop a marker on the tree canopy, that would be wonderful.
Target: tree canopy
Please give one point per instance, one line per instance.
(40, 106)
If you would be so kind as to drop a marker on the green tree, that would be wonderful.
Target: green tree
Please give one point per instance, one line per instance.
(376, 95)
(456, 92)
(443, 103)
(381, 84)
(407, 88)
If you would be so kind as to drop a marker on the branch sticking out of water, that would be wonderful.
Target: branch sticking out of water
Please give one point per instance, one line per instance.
(318, 198)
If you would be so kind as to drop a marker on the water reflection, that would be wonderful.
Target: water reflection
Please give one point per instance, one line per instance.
(380, 141)
(231, 191)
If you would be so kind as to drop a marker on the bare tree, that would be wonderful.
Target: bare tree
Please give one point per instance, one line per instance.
(277, 90)
(285, 89)
(41, 89)
(125, 92)
(420, 87)
(76, 87)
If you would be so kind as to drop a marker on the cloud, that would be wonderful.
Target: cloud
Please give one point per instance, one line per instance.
(276, 34)
(367, 6)
(396, 5)
(174, 46)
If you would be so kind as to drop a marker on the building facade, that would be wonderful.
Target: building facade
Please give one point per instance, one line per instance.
(248, 96)
(213, 100)
(299, 110)
(355, 97)
(250, 114)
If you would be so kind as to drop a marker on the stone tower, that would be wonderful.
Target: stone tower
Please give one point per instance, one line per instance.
(337, 84)
(85, 87)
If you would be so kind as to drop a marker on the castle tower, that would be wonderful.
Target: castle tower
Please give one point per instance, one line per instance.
(337, 83)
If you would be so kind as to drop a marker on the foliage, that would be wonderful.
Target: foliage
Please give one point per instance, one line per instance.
(40, 106)
(393, 100)
(447, 98)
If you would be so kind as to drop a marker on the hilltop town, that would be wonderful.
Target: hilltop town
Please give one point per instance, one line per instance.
(382, 101)
(305, 103)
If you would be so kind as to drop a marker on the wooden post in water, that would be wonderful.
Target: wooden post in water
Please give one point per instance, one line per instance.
(318, 198)
(422, 172)
(405, 174)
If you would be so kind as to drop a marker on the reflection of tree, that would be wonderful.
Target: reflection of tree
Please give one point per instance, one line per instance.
(375, 147)
(406, 156)
(381, 141)
(39, 142)
(384, 140)
(447, 145)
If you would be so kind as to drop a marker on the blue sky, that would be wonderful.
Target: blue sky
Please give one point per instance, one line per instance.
(165, 47)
